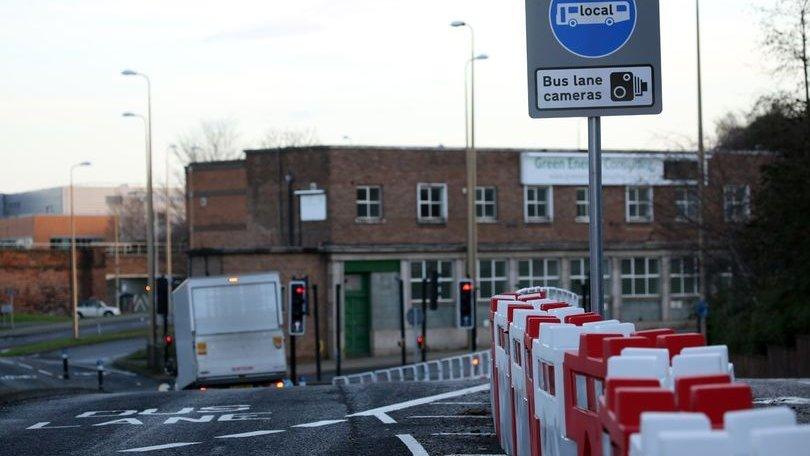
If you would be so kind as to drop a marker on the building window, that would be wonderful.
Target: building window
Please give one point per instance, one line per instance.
(737, 203)
(639, 204)
(686, 203)
(539, 273)
(491, 278)
(683, 276)
(538, 207)
(582, 205)
(640, 277)
(423, 269)
(432, 202)
(581, 271)
(369, 202)
(486, 206)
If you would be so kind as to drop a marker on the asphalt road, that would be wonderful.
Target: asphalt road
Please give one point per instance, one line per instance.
(43, 372)
(262, 421)
(62, 331)
(441, 418)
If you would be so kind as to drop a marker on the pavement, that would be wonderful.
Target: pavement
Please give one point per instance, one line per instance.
(438, 418)
(51, 331)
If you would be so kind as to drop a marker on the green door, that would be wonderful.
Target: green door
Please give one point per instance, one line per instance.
(358, 315)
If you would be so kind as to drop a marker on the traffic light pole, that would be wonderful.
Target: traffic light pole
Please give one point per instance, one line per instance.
(337, 330)
(317, 333)
(402, 344)
(424, 320)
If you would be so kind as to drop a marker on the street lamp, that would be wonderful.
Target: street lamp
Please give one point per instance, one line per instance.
(701, 176)
(471, 162)
(74, 280)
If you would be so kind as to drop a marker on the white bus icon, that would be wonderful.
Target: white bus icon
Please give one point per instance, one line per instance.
(607, 13)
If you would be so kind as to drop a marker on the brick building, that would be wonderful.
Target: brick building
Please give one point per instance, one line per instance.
(399, 213)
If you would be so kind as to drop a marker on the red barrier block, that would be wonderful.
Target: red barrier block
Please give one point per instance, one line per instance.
(532, 296)
(653, 334)
(553, 305)
(677, 342)
(581, 319)
(533, 329)
(613, 384)
(629, 403)
(715, 400)
(683, 387)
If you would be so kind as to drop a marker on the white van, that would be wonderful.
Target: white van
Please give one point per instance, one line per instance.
(229, 330)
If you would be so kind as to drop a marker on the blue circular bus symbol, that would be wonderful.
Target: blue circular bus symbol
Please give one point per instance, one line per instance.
(592, 28)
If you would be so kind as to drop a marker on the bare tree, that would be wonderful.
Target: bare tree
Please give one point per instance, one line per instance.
(276, 138)
(786, 38)
(212, 140)
(130, 210)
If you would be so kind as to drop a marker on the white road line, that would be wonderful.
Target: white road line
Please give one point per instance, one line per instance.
(415, 447)
(382, 412)
(784, 401)
(460, 403)
(425, 417)
(482, 434)
(7, 362)
(158, 447)
(318, 424)
(44, 425)
(27, 366)
(44, 372)
(248, 434)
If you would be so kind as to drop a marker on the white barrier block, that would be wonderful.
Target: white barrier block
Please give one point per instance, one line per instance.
(609, 327)
(739, 424)
(721, 350)
(563, 312)
(661, 356)
(791, 440)
(560, 336)
(687, 365)
(654, 423)
(693, 443)
(634, 367)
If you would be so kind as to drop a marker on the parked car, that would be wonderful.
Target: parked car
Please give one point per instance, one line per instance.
(96, 308)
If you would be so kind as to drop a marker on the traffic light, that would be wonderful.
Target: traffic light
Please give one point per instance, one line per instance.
(434, 290)
(168, 339)
(298, 307)
(420, 342)
(466, 304)
(162, 296)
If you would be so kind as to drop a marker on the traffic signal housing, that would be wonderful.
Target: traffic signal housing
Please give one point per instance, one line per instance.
(297, 307)
(465, 310)
(162, 295)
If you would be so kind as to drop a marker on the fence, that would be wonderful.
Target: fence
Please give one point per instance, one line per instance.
(463, 367)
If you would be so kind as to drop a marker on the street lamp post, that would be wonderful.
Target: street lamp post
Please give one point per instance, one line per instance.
(169, 271)
(471, 165)
(150, 244)
(74, 279)
(701, 177)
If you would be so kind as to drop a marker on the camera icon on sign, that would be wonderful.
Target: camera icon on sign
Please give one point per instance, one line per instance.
(625, 86)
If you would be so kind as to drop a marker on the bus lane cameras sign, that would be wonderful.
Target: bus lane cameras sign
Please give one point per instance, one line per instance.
(591, 58)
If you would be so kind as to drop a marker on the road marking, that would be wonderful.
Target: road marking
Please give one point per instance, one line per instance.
(7, 362)
(382, 412)
(159, 447)
(784, 401)
(44, 372)
(423, 417)
(318, 424)
(18, 377)
(248, 434)
(44, 425)
(482, 434)
(460, 403)
(415, 447)
(27, 366)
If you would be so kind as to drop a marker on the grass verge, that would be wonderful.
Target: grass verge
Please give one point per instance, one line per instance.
(58, 344)
(35, 318)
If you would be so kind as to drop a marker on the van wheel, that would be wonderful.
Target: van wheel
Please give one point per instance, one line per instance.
(80, 315)
(108, 314)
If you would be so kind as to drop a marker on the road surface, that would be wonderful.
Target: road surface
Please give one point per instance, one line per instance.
(10, 339)
(440, 418)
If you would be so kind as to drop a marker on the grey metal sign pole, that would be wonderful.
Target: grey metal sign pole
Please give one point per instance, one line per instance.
(595, 214)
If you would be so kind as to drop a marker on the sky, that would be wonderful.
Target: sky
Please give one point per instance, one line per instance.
(362, 72)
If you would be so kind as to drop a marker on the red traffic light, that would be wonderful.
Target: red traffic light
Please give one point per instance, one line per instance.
(299, 290)
(466, 287)
(420, 340)
(168, 340)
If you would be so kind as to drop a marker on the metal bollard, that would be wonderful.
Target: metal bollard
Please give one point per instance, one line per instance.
(65, 371)
(100, 369)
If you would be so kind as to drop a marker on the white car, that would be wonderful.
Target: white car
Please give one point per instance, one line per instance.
(96, 308)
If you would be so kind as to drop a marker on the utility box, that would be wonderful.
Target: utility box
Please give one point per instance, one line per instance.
(229, 330)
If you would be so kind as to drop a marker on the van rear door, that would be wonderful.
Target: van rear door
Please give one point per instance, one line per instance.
(238, 330)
